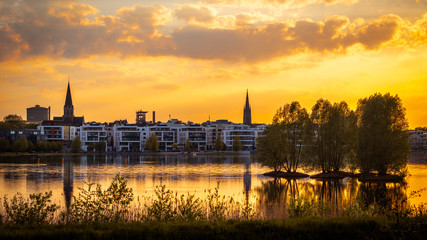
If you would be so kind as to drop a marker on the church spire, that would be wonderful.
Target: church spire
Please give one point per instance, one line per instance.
(247, 118)
(68, 106)
(68, 99)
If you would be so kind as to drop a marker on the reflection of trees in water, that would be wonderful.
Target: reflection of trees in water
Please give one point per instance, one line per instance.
(388, 196)
(274, 195)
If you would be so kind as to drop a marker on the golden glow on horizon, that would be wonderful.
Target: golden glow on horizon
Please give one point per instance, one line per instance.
(193, 60)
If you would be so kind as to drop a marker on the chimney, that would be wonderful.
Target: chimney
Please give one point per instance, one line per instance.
(154, 116)
(49, 113)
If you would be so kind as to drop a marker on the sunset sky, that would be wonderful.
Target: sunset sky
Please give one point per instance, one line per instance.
(192, 59)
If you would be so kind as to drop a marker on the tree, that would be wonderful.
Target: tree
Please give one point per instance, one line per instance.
(292, 119)
(20, 145)
(332, 141)
(100, 146)
(174, 146)
(4, 144)
(152, 143)
(382, 139)
(271, 150)
(218, 143)
(187, 146)
(90, 147)
(13, 118)
(237, 143)
(31, 146)
(12, 121)
(76, 145)
(58, 146)
(49, 146)
(42, 146)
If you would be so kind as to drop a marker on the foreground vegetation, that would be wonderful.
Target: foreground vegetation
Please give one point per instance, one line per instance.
(302, 228)
(114, 213)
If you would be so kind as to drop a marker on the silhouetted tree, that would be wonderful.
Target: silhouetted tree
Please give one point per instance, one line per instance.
(218, 143)
(237, 143)
(31, 146)
(382, 139)
(271, 150)
(76, 145)
(292, 119)
(20, 145)
(187, 146)
(333, 130)
(100, 146)
(90, 147)
(4, 144)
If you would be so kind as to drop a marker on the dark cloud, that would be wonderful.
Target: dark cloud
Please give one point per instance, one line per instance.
(69, 29)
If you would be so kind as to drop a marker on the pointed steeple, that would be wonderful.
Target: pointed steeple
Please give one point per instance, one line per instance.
(68, 106)
(247, 118)
(68, 99)
(247, 100)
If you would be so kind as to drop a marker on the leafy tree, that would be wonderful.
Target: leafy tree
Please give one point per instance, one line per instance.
(333, 129)
(13, 118)
(58, 146)
(218, 143)
(42, 146)
(20, 145)
(152, 143)
(187, 146)
(50, 146)
(237, 143)
(100, 146)
(382, 139)
(12, 121)
(76, 145)
(174, 146)
(271, 150)
(31, 146)
(90, 147)
(292, 120)
(4, 144)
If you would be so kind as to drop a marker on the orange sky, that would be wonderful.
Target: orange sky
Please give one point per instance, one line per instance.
(192, 59)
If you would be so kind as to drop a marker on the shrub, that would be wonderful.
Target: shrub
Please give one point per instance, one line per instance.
(36, 209)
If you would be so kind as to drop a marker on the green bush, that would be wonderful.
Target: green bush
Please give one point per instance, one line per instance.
(36, 209)
(95, 205)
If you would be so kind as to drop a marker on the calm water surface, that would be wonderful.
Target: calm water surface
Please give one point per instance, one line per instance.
(238, 177)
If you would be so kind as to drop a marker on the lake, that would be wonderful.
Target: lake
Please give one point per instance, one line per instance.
(239, 177)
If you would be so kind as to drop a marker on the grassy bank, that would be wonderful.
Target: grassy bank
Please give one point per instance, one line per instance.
(304, 228)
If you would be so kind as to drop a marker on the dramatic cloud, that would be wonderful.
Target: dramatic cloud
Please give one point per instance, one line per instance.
(69, 29)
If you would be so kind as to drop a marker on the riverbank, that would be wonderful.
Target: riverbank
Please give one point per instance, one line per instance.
(14, 154)
(298, 228)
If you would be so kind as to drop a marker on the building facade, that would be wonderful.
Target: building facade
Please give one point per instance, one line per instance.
(38, 114)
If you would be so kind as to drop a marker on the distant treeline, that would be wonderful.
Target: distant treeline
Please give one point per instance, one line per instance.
(332, 137)
(22, 145)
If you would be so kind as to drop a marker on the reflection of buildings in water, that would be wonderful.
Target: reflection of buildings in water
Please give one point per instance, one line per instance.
(68, 181)
(247, 179)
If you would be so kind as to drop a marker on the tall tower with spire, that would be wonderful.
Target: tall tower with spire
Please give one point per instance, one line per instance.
(247, 119)
(68, 106)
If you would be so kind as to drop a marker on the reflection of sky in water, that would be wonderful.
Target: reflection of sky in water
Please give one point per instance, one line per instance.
(236, 175)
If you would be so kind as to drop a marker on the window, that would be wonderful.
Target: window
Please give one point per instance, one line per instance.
(20, 132)
(12, 132)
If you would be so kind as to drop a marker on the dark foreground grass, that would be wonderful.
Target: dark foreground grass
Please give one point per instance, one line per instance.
(301, 228)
